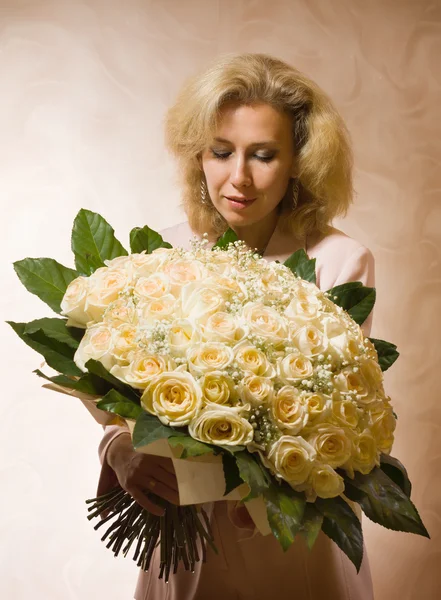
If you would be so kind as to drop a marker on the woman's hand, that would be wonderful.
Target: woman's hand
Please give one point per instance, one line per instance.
(139, 474)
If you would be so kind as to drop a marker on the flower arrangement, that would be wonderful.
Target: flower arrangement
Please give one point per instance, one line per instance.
(222, 353)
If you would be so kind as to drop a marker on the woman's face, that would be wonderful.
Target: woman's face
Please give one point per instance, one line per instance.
(249, 162)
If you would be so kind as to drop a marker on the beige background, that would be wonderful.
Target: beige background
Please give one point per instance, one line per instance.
(83, 89)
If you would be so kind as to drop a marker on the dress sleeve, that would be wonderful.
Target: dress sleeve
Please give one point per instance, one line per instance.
(360, 266)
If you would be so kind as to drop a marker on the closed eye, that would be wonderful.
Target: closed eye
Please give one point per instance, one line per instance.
(225, 155)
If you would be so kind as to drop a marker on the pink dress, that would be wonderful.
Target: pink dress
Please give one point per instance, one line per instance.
(250, 566)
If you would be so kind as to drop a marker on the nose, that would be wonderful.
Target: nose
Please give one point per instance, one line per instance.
(240, 173)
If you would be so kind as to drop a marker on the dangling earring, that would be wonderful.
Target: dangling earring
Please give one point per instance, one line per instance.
(204, 192)
(295, 193)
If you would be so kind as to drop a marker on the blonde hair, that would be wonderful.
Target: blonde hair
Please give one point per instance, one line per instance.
(321, 140)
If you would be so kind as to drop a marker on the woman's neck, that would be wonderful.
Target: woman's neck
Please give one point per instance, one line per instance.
(258, 234)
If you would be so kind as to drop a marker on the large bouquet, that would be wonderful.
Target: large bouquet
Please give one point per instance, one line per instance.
(215, 355)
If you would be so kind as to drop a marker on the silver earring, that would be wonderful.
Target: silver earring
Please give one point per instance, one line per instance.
(204, 192)
(295, 193)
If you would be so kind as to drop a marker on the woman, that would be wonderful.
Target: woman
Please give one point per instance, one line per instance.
(263, 151)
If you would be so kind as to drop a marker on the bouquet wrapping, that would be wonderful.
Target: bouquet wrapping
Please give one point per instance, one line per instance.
(260, 387)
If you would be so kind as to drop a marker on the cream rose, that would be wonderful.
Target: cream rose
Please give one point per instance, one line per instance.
(222, 327)
(159, 309)
(265, 322)
(289, 411)
(184, 271)
(292, 458)
(119, 312)
(154, 286)
(352, 382)
(181, 336)
(142, 368)
(250, 358)
(256, 390)
(326, 482)
(74, 302)
(318, 406)
(147, 264)
(345, 412)
(124, 343)
(383, 427)
(200, 301)
(217, 388)
(105, 286)
(303, 307)
(365, 455)
(310, 341)
(332, 444)
(294, 368)
(221, 426)
(373, 375)
(97, 343)
(208, 356)
(174, 397)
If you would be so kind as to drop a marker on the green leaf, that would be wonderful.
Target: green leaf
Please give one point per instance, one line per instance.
(357, 299)
(384, 502)
(88, 383)
(57, 329)
(252, 473)
(97, 368)
(311, 524)
(190, 446)
(231, 473)
(301, 265)
(144, 238)
(149, 428)
(285, 509)
(341, 525)
(57, 355)
(93, 242)
(396, 471)
(46, 278)
(118, 404)
(387, 353)
(226, 239)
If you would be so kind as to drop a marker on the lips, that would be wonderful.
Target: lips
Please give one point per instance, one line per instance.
(239, 199)
(239, 203)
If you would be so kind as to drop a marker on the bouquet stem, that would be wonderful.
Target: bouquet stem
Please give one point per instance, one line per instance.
(177, 531)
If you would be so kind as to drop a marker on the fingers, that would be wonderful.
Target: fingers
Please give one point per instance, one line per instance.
(158, 488)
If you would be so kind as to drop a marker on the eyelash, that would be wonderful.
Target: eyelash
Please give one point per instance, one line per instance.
(220, 156)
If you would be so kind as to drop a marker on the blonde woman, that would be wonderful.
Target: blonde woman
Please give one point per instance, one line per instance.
(260, 149)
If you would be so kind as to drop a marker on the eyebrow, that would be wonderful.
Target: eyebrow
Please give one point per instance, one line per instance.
(255, 145)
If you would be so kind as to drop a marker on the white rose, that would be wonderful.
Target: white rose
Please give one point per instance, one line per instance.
(294, 368)
(222, 426)
(119, 312)
(159, 309)
(310, 341)
(208, 356)
(142, 368)
(365, 455)
(183, 271)
(217, 388)
(250, 358)
(383, 426)
(181, 335)
(351, 381)
(345, 412)
(124, 343)
(105, 287)
(326, 482)
(222, 327)
(200, 301)
(292, 458)
(303, 307)
(74, 302)
(256, 390)
(332, 444)
(174, 397)
(266, 323)
(154, 286)
(289, 411)
(97, 343)
(318, 407)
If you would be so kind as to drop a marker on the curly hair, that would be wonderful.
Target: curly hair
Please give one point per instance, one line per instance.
(321, 140)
